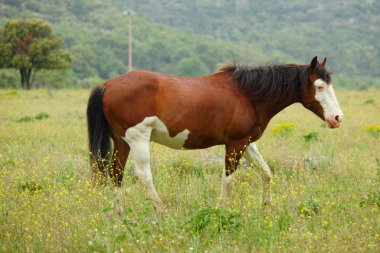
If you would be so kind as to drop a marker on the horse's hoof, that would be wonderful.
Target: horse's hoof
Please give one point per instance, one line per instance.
(162, 212)
(267, 203)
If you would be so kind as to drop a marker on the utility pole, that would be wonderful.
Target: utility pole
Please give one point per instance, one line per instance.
(129, 40)
(130, 53)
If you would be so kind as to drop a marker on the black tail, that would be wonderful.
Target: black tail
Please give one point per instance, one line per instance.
(98, 130)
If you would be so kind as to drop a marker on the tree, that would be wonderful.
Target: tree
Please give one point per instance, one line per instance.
(29, 46)
(83, 62)
(191, 67)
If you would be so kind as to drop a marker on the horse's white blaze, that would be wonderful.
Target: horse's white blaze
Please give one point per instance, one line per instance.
(325, 95)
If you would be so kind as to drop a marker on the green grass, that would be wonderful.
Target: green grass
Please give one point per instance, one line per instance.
(325, 188)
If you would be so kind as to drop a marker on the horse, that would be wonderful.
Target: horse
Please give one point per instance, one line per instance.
(231, 107)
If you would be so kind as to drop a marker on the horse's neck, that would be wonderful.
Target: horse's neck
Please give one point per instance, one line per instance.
(276, 105)
(267, 110)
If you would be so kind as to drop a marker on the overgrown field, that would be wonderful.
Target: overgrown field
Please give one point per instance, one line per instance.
(326, 186)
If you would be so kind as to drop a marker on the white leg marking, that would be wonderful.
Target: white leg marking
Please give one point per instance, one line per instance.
(226, 186)
(253, 156)
(138, 138)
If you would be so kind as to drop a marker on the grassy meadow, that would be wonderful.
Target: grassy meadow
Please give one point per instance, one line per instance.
(326, 185)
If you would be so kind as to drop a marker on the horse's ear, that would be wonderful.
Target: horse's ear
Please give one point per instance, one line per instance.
(314, 64)
(323, 64)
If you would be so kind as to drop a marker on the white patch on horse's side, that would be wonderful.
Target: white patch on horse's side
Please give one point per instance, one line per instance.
(325, 95)
(159, 133)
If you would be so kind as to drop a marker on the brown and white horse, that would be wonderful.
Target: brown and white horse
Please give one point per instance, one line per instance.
(231, 107)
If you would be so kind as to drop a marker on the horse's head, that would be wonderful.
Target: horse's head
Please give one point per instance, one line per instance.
(320, 97)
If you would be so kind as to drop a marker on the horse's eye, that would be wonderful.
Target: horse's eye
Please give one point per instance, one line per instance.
(320, 88)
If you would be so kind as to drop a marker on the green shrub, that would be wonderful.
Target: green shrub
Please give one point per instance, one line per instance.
(25, 119)
(214, 220)
(369, 102)
(30, 186)
(309, 208)
(41, 115)
(312, 136)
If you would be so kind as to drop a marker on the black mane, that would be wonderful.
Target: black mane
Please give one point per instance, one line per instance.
(276, 82)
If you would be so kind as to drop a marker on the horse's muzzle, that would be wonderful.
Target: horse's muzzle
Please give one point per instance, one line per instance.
(334, 121)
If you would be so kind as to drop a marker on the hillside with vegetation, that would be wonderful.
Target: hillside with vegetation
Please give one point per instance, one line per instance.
(193, 37)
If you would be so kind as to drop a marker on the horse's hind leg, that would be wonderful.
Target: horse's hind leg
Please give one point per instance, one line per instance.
(138, 138)
(254, 157)
(120, 156)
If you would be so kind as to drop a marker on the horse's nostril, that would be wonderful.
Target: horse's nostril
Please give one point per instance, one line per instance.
(338, 118)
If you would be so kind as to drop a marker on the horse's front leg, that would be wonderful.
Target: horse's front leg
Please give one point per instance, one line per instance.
(254, 157)
(232, 158)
